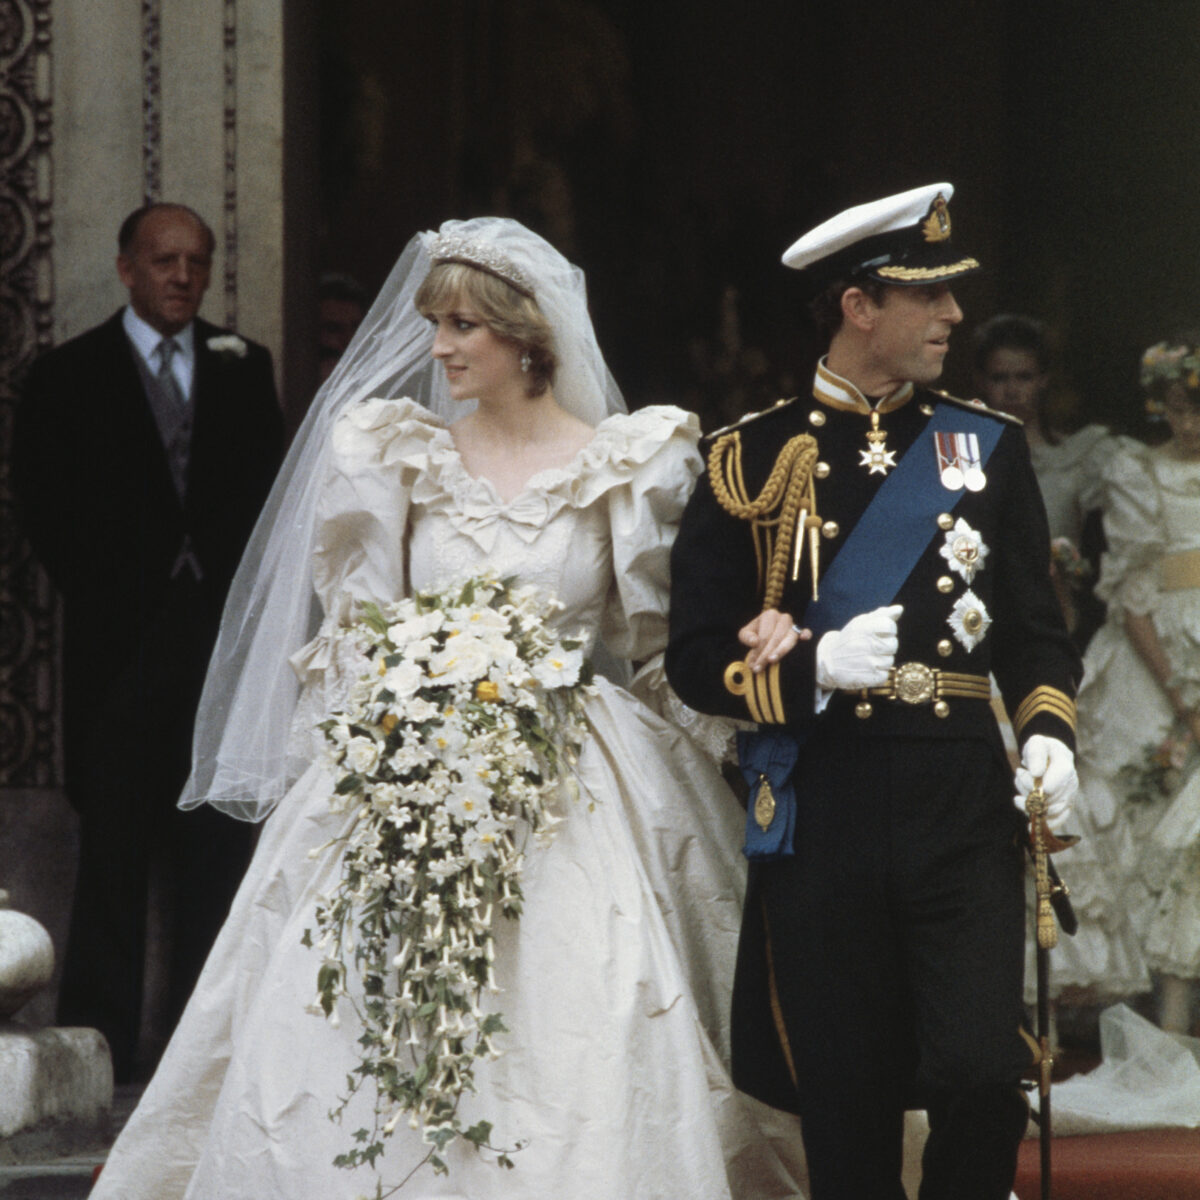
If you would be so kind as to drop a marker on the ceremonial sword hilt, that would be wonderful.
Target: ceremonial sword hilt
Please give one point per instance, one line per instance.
(1035, 809)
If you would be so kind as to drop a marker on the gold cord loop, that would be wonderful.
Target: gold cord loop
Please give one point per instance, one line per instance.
(779, 514)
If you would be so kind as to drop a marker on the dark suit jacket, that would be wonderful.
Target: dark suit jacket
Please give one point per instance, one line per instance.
(100, 510)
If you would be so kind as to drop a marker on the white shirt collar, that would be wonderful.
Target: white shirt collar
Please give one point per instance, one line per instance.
(146, 339)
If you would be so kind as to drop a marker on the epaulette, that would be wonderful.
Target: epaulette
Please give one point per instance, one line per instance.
(752, 416)
(978, 406)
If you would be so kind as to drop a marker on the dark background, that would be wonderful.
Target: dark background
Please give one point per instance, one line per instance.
(674, 150)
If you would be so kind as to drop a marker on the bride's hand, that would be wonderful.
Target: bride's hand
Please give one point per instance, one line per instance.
(770, 636)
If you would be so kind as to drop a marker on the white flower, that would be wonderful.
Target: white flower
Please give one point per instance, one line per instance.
(470, 801)
(362, 753)
(479, 620)
(969, 619)
(481, 841)
(560, 668)
(419, 710)
(448, 740)
(416, 628)
(964, 550)
(228, 344)
(463, 659)
(403, 680)
(408, 757)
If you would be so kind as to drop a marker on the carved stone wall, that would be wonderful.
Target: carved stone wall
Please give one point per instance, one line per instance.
(28, 619)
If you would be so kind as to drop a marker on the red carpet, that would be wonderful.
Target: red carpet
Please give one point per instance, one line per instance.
(1159, 1164)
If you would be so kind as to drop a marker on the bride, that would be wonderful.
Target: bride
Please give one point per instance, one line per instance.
(614, 980)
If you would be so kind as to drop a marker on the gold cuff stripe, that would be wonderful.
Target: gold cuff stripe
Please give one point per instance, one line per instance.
(917, 273)
(776, 1008)
(776, 693)
(762, 693)
(1044, 700)
(739, 681)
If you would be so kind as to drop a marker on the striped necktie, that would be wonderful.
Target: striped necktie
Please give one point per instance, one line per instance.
(167, 349)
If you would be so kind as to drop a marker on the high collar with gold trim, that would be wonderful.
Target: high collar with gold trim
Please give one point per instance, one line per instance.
(835, 392)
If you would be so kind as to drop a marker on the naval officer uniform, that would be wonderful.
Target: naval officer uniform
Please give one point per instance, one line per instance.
(880, 965)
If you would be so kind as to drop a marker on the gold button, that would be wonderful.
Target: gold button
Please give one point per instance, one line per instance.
(821, 470)
(830, 529)
(927, 409)
(945, 521)
(973, 620)
(945, 647)
(941, 709)
(945, 584)
(816, 417)
(863, 709)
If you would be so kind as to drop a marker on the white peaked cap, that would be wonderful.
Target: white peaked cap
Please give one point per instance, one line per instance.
(902, 239)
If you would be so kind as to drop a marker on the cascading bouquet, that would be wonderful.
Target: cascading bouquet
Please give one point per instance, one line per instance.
(450, 752)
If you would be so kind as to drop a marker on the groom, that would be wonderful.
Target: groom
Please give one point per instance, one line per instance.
(143, 451)
(880, 965)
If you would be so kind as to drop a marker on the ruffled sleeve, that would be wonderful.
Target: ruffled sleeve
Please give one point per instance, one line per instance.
(657, 463)
(1133, 530)
(361, 539)
(1095, 446)
(660, 461)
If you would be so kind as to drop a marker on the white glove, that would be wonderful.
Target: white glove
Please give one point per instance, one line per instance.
(860, 654)
(1048, 758)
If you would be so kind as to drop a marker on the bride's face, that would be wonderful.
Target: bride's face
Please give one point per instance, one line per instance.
(478, 364)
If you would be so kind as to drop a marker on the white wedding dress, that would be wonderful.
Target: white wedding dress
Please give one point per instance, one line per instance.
(616, 979)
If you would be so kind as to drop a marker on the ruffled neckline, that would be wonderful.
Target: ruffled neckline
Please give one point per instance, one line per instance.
(412, 437)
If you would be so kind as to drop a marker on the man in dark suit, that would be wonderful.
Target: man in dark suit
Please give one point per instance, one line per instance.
(880, 965)
(144, 449)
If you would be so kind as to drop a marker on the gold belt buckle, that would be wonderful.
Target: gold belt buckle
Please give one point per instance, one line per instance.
(914, 683)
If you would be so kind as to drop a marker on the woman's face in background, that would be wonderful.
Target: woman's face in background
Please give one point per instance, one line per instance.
(1012, 382)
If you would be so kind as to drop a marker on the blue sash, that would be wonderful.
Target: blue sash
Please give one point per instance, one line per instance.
(893, 532)
(868, 572)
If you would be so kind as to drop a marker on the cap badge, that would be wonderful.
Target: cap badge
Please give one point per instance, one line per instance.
(936, 226)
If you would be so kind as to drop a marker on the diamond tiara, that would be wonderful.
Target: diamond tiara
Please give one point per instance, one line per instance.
(449, 248)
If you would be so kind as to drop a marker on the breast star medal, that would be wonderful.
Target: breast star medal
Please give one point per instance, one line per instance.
(877, 456)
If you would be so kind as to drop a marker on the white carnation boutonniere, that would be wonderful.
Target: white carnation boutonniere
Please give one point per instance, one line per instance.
(228, 345)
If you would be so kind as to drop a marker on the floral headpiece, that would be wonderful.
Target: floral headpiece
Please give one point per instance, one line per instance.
(1163, 364)
(474, 253)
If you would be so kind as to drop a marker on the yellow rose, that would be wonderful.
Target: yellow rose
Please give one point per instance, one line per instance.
(487, 691)
(389, 722)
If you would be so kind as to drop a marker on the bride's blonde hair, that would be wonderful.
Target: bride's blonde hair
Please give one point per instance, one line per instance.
(508, 313)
